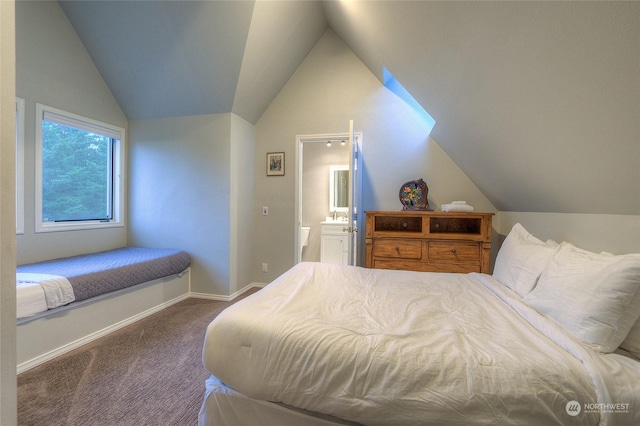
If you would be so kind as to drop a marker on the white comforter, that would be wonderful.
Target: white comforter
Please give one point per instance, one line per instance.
(39, 292)
(406, 348)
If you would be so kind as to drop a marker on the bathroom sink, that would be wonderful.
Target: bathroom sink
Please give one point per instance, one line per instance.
(338, 221)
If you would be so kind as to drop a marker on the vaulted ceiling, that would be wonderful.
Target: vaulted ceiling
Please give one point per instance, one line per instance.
(181, 58)
(537, 102)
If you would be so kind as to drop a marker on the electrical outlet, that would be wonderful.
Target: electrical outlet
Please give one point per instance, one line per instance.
(265, 211)
(265, 267)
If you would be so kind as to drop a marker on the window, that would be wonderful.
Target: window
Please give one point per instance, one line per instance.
(19, 166)
(78, 172)
(396, 87)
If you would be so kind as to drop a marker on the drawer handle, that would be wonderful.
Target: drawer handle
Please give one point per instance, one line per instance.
(453, 251)
(398, 249)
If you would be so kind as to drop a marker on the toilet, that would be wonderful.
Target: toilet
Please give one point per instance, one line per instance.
(304, 236)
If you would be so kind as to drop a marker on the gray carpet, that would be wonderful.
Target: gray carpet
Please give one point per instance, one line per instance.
(148, 373)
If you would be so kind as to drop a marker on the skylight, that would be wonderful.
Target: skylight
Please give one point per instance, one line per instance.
(394, 85)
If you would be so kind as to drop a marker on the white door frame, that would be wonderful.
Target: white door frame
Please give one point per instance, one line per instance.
(300, 139)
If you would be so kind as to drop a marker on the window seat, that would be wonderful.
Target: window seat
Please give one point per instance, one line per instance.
(108, 290)
(73, 279)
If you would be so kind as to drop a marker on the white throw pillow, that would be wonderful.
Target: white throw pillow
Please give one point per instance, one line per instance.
(596, 297)
(632, 342)
(521, 260)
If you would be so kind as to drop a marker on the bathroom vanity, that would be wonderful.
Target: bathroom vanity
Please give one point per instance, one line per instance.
(334, 243)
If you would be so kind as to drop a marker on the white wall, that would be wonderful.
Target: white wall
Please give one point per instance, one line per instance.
(53, 68)
(8, 399)
(329, 88)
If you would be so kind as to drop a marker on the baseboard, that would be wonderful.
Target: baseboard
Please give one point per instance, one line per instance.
(224, 298)
(34, 362)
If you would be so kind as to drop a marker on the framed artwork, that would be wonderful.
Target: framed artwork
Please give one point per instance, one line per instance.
(275, 163)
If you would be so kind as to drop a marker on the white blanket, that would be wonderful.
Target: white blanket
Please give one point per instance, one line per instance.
(40, 292)
(406, 348)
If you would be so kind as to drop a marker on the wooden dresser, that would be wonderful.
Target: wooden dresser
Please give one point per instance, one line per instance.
(428, 241)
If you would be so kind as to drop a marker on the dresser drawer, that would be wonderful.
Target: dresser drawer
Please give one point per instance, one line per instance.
(454, 251)
(401, 264)
(398, 248)
(416, 265)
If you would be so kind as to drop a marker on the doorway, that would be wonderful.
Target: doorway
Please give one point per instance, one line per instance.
(327, 185)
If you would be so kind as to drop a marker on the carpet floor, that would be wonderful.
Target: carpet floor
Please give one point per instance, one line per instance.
(148, 373)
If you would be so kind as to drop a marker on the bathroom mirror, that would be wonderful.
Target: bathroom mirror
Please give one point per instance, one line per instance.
(338, 188)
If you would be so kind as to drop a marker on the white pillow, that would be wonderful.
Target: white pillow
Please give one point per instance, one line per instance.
(632, 342)
(521, 260)
(596, 297)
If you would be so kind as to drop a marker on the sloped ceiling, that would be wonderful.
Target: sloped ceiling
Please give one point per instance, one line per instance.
(537, 102)
(182, 58)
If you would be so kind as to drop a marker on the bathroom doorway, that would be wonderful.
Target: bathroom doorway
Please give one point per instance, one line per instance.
(327, 188)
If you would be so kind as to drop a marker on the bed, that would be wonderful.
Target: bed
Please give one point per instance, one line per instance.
(54, 283)
(552, 337)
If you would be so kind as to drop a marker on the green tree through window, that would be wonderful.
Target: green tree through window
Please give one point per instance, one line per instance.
(76, 174)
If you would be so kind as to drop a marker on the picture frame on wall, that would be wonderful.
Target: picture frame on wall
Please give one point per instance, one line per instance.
(275, 164)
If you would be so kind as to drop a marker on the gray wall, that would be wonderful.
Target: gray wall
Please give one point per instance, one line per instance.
(8, 399)
(617, 234)
(332, 86)
(53, 68)
(537, 101)
(329, 88)
(241, 212)
(180, 193)
(191, 183)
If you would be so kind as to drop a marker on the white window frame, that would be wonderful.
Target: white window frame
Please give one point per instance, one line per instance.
(81, 122)
(19, 166)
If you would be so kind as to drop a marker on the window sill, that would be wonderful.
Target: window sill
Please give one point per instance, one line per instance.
(76, 226)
